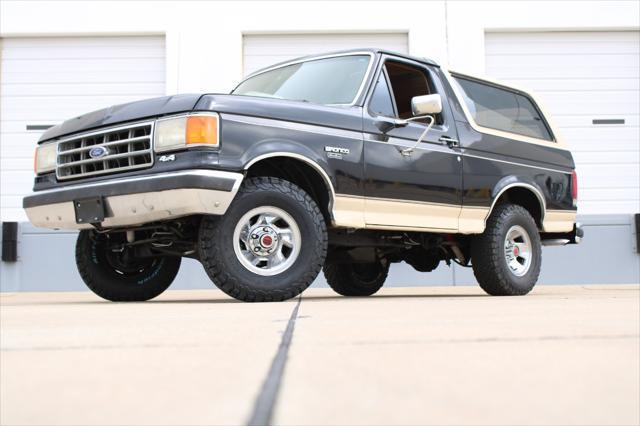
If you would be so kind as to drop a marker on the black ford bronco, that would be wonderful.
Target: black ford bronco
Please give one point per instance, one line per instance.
(345, 162)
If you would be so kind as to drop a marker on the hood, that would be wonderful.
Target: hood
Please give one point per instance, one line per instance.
(132, 111)
(279, 109)
(343, 117)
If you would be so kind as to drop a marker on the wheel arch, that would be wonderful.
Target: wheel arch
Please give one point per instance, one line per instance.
(299, 169)
(526, 194)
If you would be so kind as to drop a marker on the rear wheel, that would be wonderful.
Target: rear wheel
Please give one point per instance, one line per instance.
(356, 279)
(115, 274)
(506, 258)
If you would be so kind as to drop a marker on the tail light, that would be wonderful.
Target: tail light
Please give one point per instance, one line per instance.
(574, 187)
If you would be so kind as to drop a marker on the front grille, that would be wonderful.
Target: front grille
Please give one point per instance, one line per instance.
(123, 149)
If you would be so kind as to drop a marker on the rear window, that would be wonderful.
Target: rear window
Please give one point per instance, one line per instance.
(502, 109)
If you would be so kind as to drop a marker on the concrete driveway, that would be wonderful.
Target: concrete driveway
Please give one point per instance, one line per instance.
(449, 355)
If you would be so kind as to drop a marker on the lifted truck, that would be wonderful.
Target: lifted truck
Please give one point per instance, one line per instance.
(345, 162)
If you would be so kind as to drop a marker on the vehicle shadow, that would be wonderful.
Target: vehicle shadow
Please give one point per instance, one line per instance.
(331, 298)
(229, 300)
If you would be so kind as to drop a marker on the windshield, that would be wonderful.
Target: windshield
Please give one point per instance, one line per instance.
(323, 81)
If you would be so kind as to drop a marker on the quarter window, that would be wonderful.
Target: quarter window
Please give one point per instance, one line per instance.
(502, 109)
(381, 103)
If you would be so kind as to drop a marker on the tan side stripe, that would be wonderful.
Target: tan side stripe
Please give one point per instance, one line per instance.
(407, 215)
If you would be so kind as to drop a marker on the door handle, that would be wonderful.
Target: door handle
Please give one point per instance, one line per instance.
(451, 142)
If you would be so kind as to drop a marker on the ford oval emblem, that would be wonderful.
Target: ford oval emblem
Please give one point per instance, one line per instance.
(98, 152)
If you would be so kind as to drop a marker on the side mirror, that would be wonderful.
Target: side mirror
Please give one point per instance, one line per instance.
(426, 104)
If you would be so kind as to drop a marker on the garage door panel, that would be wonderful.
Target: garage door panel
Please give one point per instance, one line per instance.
(559, 43)
(579, 77)
(606, 176)
(553, 72)
(133, 76)
(46, 80)
(57, 52)
(609, 157)
(601, 135)
(72, 102)
(17, 182)
(599, 47)
(545, 85)
(610, 104)
(11, 128)
(263, 50)
(81, 89)
(12, 202)
(294, 43)
(81, 65)
(564, 60)
(569, 120)
(597, 146)
(96, 42)
(16, 163)
(605, 194)
(588, 103)
(608, 207)
(50, 108)
(17, 146)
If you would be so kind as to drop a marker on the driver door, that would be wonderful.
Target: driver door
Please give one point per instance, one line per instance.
(417, 191)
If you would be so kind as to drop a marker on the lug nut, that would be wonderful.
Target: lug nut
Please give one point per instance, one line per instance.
(257, 249)
(254, 236)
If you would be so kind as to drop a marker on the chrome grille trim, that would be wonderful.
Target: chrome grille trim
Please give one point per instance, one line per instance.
(128, 147)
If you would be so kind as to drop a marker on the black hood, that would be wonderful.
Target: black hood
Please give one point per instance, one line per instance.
(343, 117)
(280, 109)
(132, 111)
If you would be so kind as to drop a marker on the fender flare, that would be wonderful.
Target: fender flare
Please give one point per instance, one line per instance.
(510, 182)
(289, 149)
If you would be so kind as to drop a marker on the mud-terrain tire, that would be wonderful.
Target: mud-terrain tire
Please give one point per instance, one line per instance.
(356, 279)
(498, 255)
(118, 278)
(267, 214)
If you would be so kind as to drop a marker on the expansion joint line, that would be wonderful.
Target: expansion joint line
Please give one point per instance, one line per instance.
(262, 412)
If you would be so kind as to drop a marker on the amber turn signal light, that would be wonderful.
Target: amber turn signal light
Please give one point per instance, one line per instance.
(202, 129)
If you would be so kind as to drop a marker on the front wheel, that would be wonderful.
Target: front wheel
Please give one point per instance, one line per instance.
(506, 258)
(270, 244)
(112, 271)
(356, 279)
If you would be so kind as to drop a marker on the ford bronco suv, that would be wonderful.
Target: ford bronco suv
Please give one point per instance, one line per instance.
(345, 162)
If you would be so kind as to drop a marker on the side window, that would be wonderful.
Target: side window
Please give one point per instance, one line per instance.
(381, 103)
(502, 109)
(406, 82)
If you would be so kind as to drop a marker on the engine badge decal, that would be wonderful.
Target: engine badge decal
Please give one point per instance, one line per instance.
(166, 158)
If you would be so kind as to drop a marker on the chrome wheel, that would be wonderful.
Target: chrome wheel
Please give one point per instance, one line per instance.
(266, 240)
(517, 250)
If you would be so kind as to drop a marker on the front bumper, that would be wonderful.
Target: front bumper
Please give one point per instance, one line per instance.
(137, 200)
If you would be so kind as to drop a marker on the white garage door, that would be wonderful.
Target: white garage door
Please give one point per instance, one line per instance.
(589, 83)
(263, 50)
(44, 81)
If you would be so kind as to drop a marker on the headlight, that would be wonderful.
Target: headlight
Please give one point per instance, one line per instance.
(189, 130)
(45, 158)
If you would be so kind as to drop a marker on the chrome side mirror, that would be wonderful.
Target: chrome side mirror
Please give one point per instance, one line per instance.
(423, 107)
(426, 104)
